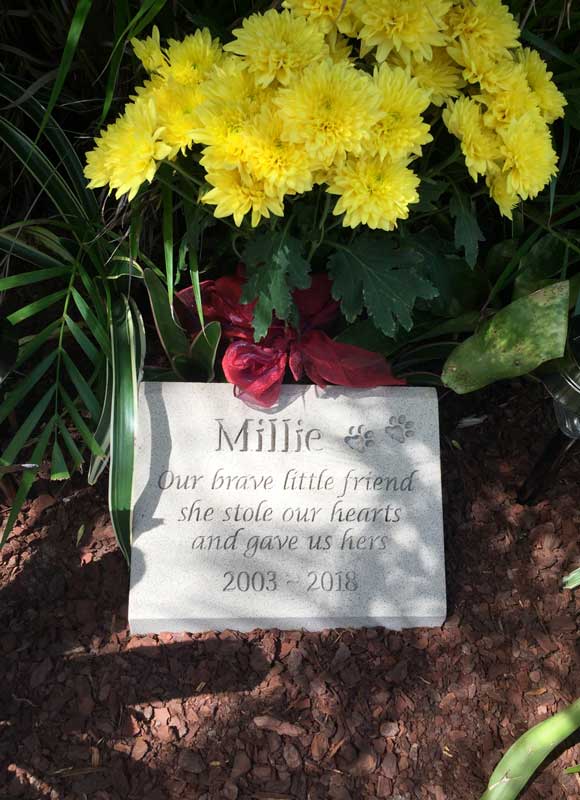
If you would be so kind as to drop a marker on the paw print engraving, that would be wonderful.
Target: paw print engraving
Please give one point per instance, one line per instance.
(400, 428)
(361, 439)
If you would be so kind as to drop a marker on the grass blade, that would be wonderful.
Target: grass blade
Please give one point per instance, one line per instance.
(72, 40)
(172, 337)
(167, 199)
(80, 424)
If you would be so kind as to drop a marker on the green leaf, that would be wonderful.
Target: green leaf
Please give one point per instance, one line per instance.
(515, 341)
(74, 452)
(525, 756)
(93, 323)
(204, 348)
(72, 40)
(275, 267)
(102, 431)
(25, 431)
(459, 287)
(27, 479)
(373, 273)
(34, 308)
(167, 228)
(467, 231)
(81, 385)
(8, 349)
(572, 580)
(26, 278)
(23, 387)
(541, 263)
(172, 337)
(58, 468)
(82, 339)
(123, 422)
(572, 770)
(80, 424)
(29, 345)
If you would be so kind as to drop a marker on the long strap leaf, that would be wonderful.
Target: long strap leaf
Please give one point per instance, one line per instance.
(123, 421)
(525, 756)
(72, 40)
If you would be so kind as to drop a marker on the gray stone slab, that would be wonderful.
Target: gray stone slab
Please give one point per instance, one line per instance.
(323, 512)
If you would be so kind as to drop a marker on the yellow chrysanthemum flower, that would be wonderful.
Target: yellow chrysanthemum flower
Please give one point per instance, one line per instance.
(330, 110)
(484, 26)
(127, 152)
(226, 116)
(329, 15)
(149, 52)
(373, 191)
(550, 100)
(511, 98)
(530, 160)
(401, 130)
(277, 46)
(284, 167)
(480, 145)
(505, 198)
(339, 48)
(410, 27)
(237, 193)
(440, 76)
(176, 105)
(191, 60)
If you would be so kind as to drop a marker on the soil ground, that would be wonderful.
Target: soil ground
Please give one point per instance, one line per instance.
(87, 711)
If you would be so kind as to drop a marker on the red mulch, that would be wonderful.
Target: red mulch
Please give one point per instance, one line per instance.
(86, 711)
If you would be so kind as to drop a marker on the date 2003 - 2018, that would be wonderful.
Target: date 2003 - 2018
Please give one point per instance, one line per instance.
(269, 581)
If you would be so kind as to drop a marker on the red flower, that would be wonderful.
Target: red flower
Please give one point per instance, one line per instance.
(258, 369)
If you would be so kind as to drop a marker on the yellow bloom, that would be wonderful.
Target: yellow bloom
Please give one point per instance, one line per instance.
(277, 46)
(339, 48)
(550, 100)
(191, 60)
(511, 98)
(225, 118)
(411, 27)
(328, 15)
(480, 145)
(440, 76)
(530, 160)
(127, 152)
(149, 52)
(284, 167)
(504, 196)
(484, 26)
(401, 131)
(176, 105)
(373, 191)
(330, 110)
(236, 193)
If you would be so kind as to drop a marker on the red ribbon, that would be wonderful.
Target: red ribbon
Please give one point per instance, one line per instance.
(258, 369)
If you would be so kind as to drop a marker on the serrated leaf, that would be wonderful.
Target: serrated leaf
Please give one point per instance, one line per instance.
(515, 341)
(275, 267)
(374, 273)
(467, 231)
